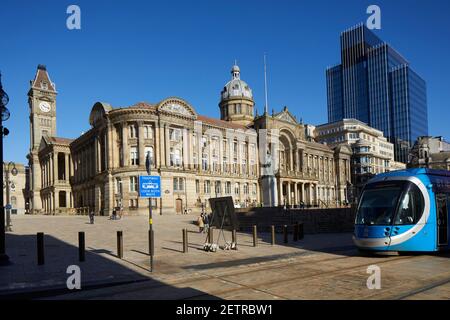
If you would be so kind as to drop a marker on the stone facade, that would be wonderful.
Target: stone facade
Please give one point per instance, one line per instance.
(430, 152)
(15, 184)
(263, 160)
(371, 152)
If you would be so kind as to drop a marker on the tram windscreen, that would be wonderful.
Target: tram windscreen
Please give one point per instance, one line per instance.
(398, 203)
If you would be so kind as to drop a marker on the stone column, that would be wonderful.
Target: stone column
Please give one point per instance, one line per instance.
(141, 144)
(317, 194)
(303, 191)
(185, 149)
(280, 192)
(110, 146)
(167, 144)
(97, 155)
(157, 146)
(66, 167)
(221, 168)
(125, 153)
(289, 193)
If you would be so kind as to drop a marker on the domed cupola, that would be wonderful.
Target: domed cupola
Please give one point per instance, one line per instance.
(236, 100)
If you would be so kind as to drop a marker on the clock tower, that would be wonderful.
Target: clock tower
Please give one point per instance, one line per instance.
(42, 103)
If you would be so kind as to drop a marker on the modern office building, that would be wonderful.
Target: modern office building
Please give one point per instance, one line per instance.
(376, 85)
(372, 153)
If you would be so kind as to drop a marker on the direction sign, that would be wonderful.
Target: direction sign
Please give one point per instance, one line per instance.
(150, 186)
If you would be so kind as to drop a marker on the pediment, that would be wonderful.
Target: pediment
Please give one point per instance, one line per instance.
(177, 106)
(285, 115)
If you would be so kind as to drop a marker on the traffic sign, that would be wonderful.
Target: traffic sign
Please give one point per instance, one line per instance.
(150, 186)
(8, 207)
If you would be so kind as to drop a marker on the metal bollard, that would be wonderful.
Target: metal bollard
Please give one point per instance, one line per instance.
(210, 235)
(119, 244)
(185, 240)
(255, 235)
(296, 232)
(272, 231)
(81, 246)
(300, 231)
(285, 231)
(40, 248)
(234, 237)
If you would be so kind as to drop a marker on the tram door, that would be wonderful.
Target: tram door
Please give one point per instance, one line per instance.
(442, 219)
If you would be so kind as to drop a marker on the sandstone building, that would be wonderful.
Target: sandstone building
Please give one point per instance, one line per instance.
(257, 159)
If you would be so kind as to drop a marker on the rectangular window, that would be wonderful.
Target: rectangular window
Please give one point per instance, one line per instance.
(134, 156)
(148, 132)
(207, 186)
(178, 184)
(175, 134)
(149, 152)
(133, 184)
(197, 186)
(132, 131)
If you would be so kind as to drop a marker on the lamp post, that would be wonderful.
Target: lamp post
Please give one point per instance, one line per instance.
(8, 183)
(148, 165)
(4, 99)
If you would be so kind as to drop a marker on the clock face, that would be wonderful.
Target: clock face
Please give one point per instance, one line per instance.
(45, 106)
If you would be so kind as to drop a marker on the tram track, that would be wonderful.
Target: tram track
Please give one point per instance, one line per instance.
(289, 279)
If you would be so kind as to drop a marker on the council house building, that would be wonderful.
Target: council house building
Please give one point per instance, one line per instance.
(259, 160)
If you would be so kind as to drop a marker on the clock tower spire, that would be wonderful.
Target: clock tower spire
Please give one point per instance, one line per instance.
(42, 104)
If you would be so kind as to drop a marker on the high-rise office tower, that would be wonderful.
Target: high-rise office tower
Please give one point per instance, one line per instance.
(376, 85)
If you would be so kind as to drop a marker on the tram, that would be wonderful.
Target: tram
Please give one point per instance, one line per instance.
(405, 210)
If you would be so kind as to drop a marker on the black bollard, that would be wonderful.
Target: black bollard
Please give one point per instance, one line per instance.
(272, 231)
(285, 231)
(210, 235)
(81, 246)
(233, 237)
(185, 241)
(296, 232)
(300, 231)
(255, 236)
(119, 244)
(40, 248)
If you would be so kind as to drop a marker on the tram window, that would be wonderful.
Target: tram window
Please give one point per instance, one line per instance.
(411, 207)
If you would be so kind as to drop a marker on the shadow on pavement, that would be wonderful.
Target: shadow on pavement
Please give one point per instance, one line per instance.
(23, 278)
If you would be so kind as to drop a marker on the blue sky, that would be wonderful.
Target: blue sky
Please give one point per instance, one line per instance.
(130, 51)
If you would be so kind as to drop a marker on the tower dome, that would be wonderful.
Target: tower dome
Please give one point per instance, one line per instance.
(236, 99)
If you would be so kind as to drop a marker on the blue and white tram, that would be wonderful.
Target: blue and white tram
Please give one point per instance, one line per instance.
(405, 210)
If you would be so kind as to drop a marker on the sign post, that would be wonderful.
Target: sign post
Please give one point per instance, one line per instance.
(150, 187)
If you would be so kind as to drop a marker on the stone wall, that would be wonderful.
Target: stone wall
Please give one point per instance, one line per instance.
(332, 220)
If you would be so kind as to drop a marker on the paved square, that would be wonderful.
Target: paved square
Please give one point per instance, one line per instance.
(324, 266)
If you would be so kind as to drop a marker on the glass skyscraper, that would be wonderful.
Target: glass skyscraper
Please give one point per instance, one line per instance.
(376, 85)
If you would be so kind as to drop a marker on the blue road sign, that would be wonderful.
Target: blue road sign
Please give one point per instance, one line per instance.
(8, 207)
(150, 186)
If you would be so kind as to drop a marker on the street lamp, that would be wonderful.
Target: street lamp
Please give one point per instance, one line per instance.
(4, 99)
(8, 183)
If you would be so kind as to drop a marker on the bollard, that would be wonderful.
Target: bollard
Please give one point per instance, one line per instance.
(255, 234)
(40, 248)
(233, 237)
(300, 231)
(119, 244)
(285, 231)
(296, 232)
(272, 231)
(210, 235)
(185, 240)
(81, 246)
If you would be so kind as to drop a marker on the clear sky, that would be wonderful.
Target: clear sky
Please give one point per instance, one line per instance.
(130, 51)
